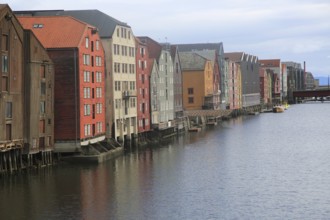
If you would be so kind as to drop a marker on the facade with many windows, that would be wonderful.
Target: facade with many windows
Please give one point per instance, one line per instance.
(11, 86)
(79, 79)
(161, 85)
(143, 86)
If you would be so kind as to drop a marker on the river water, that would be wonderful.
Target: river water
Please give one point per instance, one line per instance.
(268, 166)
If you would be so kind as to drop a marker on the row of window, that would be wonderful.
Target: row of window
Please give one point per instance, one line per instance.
(89, 60)
(123, 33)
(118, 103)
(123, 50)
(90, 44)
(125, 85)
(87, 109)
(87, 92)
(124, 68)
(92, 129)
(90, 77)
(125, 122)
(143, 122)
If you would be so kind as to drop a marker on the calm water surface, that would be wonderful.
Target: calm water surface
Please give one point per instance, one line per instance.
(269, 166)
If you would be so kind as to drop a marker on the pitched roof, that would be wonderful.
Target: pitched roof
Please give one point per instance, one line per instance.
(270, 63)
(234, 56)
(208, 54)
(201, 46)
(56, 32)
(192, 61)
(105, 23)
(3, 6)
(154, 48)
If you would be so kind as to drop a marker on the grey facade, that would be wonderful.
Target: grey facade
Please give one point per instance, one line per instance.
(177, 82)
(250, 77)
(296, 79)
(161, 85)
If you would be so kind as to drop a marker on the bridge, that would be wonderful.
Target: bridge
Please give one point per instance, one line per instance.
(319, 93)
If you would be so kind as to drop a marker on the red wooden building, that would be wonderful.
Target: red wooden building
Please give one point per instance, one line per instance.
(143, 86)
(76, 50)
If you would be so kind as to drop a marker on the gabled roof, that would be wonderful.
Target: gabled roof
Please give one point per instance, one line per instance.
(208, 54)
(192, 61)
(105, 23)
(3, 6)
(270, 63)
(154, 48)
(201, 46)
(234, 56)
(56, 32)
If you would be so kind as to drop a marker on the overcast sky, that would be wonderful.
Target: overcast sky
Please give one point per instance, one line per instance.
(290, 30)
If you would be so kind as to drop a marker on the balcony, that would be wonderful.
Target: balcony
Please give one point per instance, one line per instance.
(129, 93)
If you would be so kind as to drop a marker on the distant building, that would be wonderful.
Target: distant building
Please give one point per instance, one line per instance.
(197, 74)
(161, 85)
(310, 82)
(78, 57)
(276, 66)
(143, 70)
(265, 86)
(250, 77)
(177, 82)
(220, 59)
(234, 85)
(296, 78)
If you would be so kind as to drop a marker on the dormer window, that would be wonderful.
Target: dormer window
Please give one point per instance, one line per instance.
(38, 26)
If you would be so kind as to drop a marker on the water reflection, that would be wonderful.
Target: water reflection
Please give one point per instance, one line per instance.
(270, 166)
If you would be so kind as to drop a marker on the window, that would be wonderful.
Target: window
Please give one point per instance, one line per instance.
(87, 92)
(9, 109)
(43, 88)
(118, 103)
(87, 129)
(48, 141)
(117, 85)
(86, 76)
(86, 42)
(98, 77)
(5, 84)
(98, 92)
(99, 108)
(117, 32)
(98, 61)
(42, 126)
(87, 109)
(190, 91)
(38, 26)
(86, 59)
(132, 102)
(42, 142)
(177, 68)
(42, 107)
(190, 100)
(132, 85)
(5, 43)
(97, 45)
(99, 127)
(4, 64)
(42, 71)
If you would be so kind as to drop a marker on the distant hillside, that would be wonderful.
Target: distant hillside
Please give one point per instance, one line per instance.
(323, 80)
